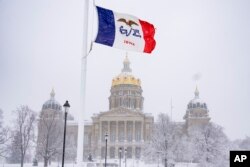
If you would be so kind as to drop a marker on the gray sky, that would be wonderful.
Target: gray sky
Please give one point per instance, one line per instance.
(41, 47)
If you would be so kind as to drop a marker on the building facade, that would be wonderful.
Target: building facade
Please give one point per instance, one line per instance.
(125, 123)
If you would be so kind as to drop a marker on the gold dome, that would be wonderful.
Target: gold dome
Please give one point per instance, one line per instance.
(126, 79)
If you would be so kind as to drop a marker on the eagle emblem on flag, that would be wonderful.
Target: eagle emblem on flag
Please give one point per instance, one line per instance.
(129, 22)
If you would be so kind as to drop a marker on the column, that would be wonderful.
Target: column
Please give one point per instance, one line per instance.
(116, 152)
(137, 103)
(108, 130)
(108, 141)
(125, 131)
(100, 129)
(100, 140)
(133, 152)
(116, 134)
(133, 132)
(142, 131)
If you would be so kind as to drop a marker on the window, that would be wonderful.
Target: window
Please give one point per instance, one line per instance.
(129, 131)
(86, 139)
(129, 152)
(205, 105)
(112, 152)
(112, 131)
(137, 152)
(103, 152)
(137, 131)
(121, 131)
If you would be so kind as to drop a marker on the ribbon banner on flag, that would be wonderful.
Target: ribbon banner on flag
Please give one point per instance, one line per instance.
(124, 31)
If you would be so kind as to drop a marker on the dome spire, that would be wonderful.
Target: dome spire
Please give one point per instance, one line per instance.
(126, 64)
(52, 94)
(196, 93)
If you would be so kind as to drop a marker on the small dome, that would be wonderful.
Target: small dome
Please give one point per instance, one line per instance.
(197, 102)
(126, 78)
(52, 103)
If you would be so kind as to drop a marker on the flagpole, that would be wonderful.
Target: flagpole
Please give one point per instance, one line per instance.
(80, 138)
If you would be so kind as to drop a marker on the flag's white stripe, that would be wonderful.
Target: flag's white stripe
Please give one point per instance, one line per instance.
(129, 42)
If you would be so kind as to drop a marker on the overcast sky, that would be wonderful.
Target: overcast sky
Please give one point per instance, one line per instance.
(41, 47)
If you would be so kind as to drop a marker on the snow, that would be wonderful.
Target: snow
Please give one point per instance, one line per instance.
(129, 164)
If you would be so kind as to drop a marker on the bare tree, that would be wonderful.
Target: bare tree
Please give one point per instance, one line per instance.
(4, 137)
(49, 142)
(23, 134)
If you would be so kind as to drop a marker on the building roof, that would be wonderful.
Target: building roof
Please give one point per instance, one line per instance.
(52, 103)
(126, 77)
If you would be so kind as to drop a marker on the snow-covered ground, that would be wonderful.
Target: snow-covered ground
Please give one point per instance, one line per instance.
(129, 164)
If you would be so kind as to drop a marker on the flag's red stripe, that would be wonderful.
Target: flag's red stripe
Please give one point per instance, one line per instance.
(148, 35)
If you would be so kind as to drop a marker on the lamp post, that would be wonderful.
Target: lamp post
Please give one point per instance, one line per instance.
(66, 107)
(106, 140)
(120, 154)
(125, 153)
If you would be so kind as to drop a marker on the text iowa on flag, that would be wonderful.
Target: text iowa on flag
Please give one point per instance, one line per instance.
(124, 31)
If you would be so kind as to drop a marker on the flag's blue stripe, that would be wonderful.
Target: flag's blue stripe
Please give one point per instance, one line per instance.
(106, 29)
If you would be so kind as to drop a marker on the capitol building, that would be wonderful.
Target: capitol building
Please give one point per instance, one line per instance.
(127, 125)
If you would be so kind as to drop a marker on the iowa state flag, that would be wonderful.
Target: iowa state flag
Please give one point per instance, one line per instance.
(124, 31)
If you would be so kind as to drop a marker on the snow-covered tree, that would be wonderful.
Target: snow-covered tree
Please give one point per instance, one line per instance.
(50, 136)
(245, 144)
(211, 146)
(240, 144)
(162, 140)
(183, 149)
(23, 135)
(4, 137)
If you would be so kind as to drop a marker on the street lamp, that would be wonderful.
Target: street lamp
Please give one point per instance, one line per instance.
(120, 153)
(125, 153)
(106, 140)
(66, 107)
